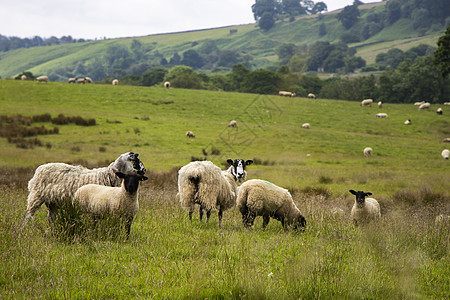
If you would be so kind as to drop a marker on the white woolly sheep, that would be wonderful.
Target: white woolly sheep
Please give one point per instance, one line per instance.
(261, 198)
(115, 82)
(167, 84)
(367, 151)
(203, 183)
(190, 134)
(88, 79)
(99, 199)
(446, 103)
(419, 103)
(306, 126)
(56, 182)
(366, 102)
(380, 104)
(23, 77)
(407, 122)
(286, 94)
(425, 105)
(446, 140)
(72, 80)
(311, 96)
(42, 79)
(381, 115)
(232, 123)
(439, 111)
(364, 209)
(445, 153)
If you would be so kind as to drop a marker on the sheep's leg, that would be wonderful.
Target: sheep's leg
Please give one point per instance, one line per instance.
(266, 220)
(220, 216)
(208, 214)
(201, 213)
(51, 213)
(250, 219)
(128, 227)
(191, 211)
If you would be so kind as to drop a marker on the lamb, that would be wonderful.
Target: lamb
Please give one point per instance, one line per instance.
(380, 104)
(72, 80)
(167, 84)
(286, 94)
(364, 209)
(42, 79)
(445, 153)
(203, 183)
(56, 182)
(366, 102)
(311, 96)
(99, 199)
(425, 105)
(439, 111)
(232, 123)
(306, 126)
(407, 122)
(367, 151)
(258, 197)
(115, 82)
(190, 134)
(381, 115)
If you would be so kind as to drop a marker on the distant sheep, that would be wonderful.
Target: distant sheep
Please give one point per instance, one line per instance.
(306, 126)
(42, 79)
(232, 123)
(366, 102)
(381, 115)
(55, 182)
(261, 198)
(123, 201)
(446, 140)
(407, 122)
(81, 80)
(115, 82)
(72, 80)
(364, 209)
(380, 104)
(425, 105)
(88, 79)
(439, 111)
(446, 103)
(367, 151)
(203, 183)
(419, 103)
(23, 77)
(311, 96)
(286, 94)
(445, 153)
(190, 134)
(167, 84)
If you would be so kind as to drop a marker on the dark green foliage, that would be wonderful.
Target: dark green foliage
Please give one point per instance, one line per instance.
(261, 7)
(154, 76)
(442, 54)
(261, 82)
(192, 59)
(349, 16)
(322, 29)
(266, 22)
(285, 52)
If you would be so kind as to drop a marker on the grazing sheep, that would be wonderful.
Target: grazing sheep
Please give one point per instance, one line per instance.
(445, 153)
(115, 82)
(190, 134)
(81, 80)
(380, 104)
(88, 79)
(425, 105)
(23, 77)
(99, 199)
(367, 151)
(261, 198)
(232, 123)
(203, 183)
(306, 126)
(381, 115)
(439, 111)
(446, 140)
(311, 96)
(419, 103)
(366, 102)
(286, 94)
(72, 80)
(364, 208)
(407, 122)
(55, 182)
(42, 79)
(167, 84)
(446, 103)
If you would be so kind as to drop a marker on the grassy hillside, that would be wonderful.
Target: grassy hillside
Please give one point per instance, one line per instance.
(405, 255)
(248, 39)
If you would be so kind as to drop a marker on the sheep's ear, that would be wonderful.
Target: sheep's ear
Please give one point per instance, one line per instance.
(248, 162)
(230, 161)
(353, 192)
(144, 178)
(120, 175)
(368, 193)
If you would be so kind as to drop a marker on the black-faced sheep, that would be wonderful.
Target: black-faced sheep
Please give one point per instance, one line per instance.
(42, 79)
(439, 111)
(311, 96)
(261, 198)
(407, 122)
(88, 79)
(306, 126)
(445, 153)
(56, 182)
(232, 123)
(115, 82)
(72, 80)
(366, 102)
(123, 201)
(286, 94)
(367, 151)
(203, 183)
(364, 209)
(381, 115)
(190, 134)
(167, 84)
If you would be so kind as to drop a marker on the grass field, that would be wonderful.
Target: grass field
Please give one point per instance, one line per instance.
(403, 256)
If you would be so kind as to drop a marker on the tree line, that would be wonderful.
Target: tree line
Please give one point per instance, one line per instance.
(13, 42)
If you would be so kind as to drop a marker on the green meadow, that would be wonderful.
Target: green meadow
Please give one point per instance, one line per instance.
(405, 255)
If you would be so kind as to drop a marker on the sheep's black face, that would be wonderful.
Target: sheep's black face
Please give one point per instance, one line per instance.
(300, 223)
(360, 196)
(238, 168)
(131, 181)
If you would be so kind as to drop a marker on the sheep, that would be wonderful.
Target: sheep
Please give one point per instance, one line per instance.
(419, 103)
(380, 104)
(306, 126)
(115, 82)
(99, 199)
(366, 102)
(381, 115)
(23, 77)
(232, 123)
(203, 183)
(81, 80)
(311, 96)
(446, 103)
(42, 79)
(56, 182)
(407, 122)
(88, 80)
(367, 151)
(445, 153)
(364, 208)
(446, 140)
(167, 84)
(72, 80)
(439, 111)
(425, 105)
(258, 197)
(286, 94)
(190, 134)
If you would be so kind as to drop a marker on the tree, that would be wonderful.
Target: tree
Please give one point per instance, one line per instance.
(192, 59)
(442, 54)
(285, 52)
(322, 29)
(292, 8)
(319, 7)
(261, 82)
(154, 76)
(237, 75)
(349, 16)
(175, 60)
(265, 6)
(266, 22)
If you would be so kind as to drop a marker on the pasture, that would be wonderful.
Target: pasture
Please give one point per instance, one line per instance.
(167, 256)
